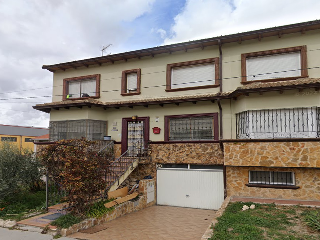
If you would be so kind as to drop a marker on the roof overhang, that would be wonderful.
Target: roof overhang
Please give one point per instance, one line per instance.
(262, 87)
(185, 46)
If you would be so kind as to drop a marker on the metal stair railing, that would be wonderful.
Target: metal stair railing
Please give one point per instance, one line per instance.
(124, 162)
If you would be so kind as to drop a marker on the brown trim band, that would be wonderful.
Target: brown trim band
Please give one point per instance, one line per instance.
(272, 186)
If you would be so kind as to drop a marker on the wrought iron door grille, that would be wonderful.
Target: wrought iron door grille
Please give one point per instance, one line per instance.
(278, 123)
(191, 128)
(271, 178)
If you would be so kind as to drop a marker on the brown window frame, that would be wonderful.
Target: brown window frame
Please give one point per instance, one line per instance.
(66, 86)
(303, 56)
(124, 82)
(189, 63)
(215, 126)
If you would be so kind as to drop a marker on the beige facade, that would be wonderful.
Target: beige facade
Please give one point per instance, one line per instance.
(289, 102)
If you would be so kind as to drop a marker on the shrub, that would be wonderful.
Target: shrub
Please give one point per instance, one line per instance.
(98, 209)
(79, 168)
(18, 170)
(66, 221)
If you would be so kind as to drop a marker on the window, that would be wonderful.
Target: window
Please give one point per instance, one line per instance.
(271, 178)
(8, 139)
(273, 65)
(28, 140)
(193, 75)
(130, 82)
(191, 127)
(278, 123)
(81, 87)
(76, 129)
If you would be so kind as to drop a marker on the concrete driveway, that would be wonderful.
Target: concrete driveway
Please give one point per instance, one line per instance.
(156, 222)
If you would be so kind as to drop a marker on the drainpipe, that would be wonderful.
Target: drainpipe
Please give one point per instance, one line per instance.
(220, 114)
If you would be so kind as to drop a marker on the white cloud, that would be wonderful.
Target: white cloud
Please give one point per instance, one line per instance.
(163, 33)
(210, 18)
(38, 32)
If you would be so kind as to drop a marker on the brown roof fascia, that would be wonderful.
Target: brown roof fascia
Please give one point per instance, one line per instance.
(239, 92)
(274, 31)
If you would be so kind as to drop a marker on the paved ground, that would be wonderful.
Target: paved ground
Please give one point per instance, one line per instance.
(156, 222)
(6, 234)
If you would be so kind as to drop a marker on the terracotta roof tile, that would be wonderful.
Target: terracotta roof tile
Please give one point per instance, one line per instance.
(301, 81)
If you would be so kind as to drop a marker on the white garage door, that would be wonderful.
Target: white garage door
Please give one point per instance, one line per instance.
(190, 188)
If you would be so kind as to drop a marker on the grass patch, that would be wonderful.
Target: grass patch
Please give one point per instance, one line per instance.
(98, 209)
(266, 221)
(21, 204)
(66, 221)
(312, 218)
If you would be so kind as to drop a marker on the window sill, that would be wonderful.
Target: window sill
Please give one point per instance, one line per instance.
(130, 94)
(192, 88)
(272, 186)
(81, 98)
(273, 80)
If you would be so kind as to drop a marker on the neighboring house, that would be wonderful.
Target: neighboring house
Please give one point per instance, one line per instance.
(21, 136)
(233, 115)
(39, 141)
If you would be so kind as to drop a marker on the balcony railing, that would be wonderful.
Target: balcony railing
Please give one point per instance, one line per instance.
(278, 123)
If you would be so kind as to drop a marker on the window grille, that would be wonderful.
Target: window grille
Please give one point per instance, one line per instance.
(278, 123)
(193, 75)
(271, 178)
(8, 139)
(76, 129)
(191, 128)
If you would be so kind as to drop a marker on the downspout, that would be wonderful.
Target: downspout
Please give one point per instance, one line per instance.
(220, 115)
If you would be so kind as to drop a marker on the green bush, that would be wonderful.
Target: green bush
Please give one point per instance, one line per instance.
(98, 209)
(16, 206)
(66, 221)
(18, 170)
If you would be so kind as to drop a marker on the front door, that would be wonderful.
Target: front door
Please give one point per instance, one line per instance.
(135, 139)
(135, 135)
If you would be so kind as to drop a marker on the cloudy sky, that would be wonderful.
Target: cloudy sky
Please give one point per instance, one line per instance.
(38, 32)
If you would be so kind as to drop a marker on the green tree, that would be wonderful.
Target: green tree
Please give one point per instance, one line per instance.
(18, 170)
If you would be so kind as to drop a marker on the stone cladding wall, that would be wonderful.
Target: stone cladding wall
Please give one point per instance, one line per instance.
(307, 179)
(273, 154)
(120, 210)
(193, 153)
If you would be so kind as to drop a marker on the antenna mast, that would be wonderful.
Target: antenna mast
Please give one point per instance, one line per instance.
(104, 48)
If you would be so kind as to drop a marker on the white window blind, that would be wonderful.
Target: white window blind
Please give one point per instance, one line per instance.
(74, 89)
(274, 66)
(132, 82)
(77, 89)
(193, 76)
(88, 87)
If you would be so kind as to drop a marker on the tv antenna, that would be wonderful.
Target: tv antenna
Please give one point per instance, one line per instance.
(104, 48)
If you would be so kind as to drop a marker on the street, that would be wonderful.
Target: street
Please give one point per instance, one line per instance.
(6, 234)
